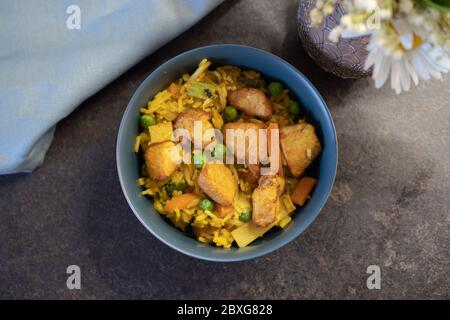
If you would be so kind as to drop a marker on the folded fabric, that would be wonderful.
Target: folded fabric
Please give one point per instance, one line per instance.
(56, 53)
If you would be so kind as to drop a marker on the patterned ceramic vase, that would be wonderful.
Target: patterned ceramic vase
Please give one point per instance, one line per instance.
(345, 58)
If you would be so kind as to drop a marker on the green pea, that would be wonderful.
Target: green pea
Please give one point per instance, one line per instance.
(219, 151)
(206, 204)
(170, 189)
(229, 113)
(147, 121)
(199, 160)
(182, 186)
(245, 216)
(294, 108)
(275, 88)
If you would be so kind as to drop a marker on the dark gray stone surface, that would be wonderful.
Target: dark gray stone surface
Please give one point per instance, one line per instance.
(389, 207)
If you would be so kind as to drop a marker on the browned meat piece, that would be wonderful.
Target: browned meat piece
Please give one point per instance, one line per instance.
(245, 134)
(265, 200)
(273, 180)
(217, 181)
(186, 120)
(252, 102)
(161, 160)
(300, 146)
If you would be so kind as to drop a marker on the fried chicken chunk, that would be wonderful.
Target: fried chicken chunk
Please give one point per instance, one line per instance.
(161, 160)
(252, 102)
(300, 146)
(265, 200)
(217, 181)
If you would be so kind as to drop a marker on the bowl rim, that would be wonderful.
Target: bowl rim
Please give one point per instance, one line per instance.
(126, 113)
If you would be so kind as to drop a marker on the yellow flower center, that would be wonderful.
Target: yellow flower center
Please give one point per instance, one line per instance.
(417, 41)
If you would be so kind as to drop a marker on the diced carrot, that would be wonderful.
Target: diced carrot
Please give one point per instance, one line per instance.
(182, 201)
(222, 211)
(302, 190)
(174, 90)
(274, 126)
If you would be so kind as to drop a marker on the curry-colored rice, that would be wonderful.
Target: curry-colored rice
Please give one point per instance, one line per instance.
(166, 106)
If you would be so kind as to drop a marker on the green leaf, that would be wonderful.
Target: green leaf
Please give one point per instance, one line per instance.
(441, 5)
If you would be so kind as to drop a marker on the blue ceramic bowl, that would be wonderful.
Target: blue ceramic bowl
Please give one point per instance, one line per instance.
(271, 67)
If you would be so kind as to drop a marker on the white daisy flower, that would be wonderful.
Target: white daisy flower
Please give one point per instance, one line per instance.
(409, 41)
(404, 56)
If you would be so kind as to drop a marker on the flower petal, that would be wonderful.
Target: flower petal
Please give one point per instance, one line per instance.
(383, 73)
(347, 33)
(405, 32)
(379, 62)
(437, 58)
(395, 76)
(434, 72)
(412, 72)
(419, 66)
(404, 76)
(372, 57)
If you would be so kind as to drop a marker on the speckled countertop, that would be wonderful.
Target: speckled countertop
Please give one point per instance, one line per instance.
(390, 206)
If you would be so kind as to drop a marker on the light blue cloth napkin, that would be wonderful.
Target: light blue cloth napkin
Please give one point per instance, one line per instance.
(48, 66)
